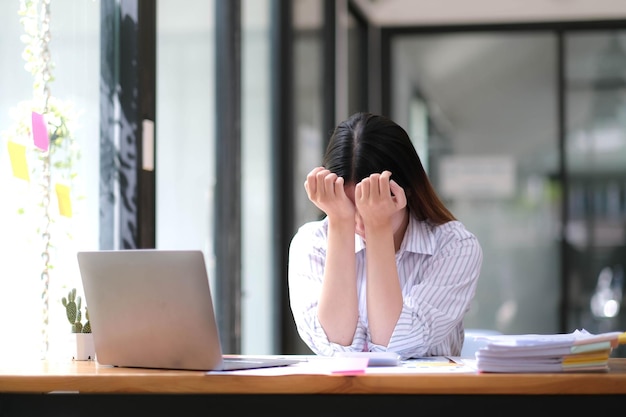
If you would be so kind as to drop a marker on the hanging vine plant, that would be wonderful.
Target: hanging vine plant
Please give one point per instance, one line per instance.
(60, 116)
(55, 163)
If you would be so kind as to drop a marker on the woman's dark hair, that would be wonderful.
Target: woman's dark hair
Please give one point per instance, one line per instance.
(366, 143)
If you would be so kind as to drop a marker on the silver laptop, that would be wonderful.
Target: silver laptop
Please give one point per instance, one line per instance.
(152, 308)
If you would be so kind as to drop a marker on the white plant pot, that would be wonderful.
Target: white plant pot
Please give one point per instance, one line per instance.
(84, 347)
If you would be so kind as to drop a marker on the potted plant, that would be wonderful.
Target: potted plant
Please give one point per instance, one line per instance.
(81, 332)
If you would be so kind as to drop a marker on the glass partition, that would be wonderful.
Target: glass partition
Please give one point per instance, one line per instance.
(308, 53)
(259, 298)
(186, 151)
(482, 109)
(44, 224)
(595, 150)
(185, 127)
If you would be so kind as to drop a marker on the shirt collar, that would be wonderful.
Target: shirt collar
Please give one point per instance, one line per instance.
(419, 237)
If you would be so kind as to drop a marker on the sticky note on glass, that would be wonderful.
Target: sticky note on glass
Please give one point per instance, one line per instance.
(40, 131)
(17, 154)
(63, 197)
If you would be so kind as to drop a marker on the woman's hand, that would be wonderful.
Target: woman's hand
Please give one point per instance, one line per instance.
(377, 198)
(325, 190)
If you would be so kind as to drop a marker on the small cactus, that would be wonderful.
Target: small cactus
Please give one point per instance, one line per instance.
(87, 326)
(73, 306)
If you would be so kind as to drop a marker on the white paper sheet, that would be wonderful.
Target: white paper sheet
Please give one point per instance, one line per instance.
(316, 365)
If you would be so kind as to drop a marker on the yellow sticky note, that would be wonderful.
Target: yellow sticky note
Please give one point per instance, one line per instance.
(63, 197)
(17, 154)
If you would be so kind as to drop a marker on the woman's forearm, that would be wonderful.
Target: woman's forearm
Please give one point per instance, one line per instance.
(338, 306)
(384, 295)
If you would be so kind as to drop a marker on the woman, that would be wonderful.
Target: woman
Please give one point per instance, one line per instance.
(388, 268)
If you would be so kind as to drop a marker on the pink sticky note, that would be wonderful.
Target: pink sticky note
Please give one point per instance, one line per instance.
(40, 131)
(348, 366)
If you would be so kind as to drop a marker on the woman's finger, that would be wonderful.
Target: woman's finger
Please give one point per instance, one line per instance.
(365, 185)
(329, 183)
(374, 182)
(383, 183)
(320, 175)
(398, 194)
(310, 184)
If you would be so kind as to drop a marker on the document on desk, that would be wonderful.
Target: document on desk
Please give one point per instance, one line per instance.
(569, 352)
(320, 365)
(429, 365)
(309, 365)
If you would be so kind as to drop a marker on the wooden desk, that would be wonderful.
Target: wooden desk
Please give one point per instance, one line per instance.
(112, 391)
(88, 377)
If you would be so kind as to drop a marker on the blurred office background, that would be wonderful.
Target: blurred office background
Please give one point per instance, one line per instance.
(197, 122)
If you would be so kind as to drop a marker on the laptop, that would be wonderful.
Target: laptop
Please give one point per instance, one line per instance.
(152, 308)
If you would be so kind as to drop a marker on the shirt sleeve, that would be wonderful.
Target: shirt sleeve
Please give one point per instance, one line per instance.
(438, 296)
(307, 254)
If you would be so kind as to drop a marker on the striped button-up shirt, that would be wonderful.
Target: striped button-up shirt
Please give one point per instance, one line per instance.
(438, 269)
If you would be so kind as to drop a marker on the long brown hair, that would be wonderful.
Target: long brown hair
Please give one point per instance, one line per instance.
(367, 143)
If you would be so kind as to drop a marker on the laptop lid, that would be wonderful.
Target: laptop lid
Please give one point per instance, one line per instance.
(151, 308)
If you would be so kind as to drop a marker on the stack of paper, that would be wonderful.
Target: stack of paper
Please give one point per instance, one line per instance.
(576, 351)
